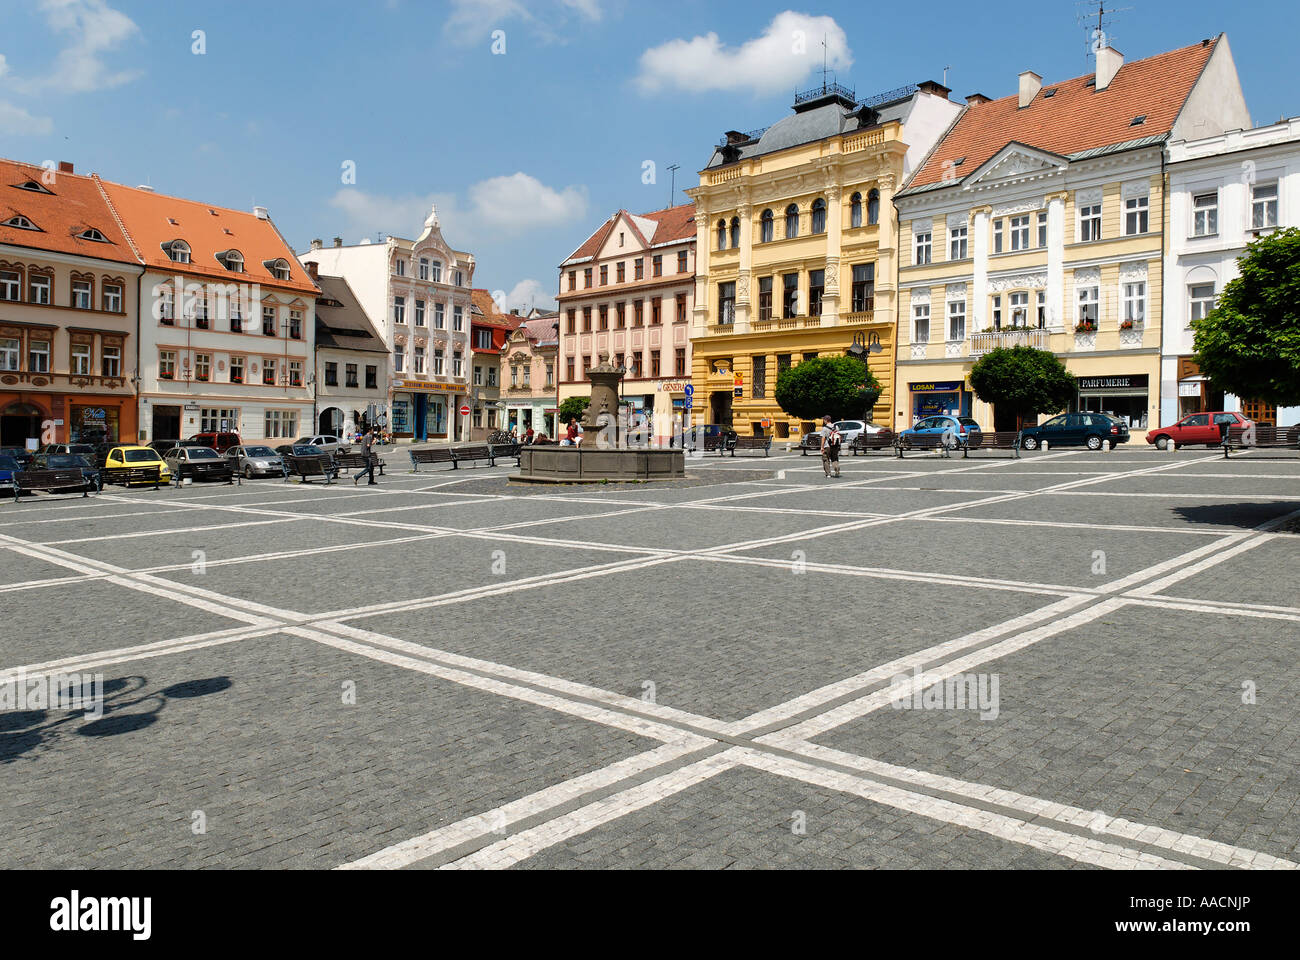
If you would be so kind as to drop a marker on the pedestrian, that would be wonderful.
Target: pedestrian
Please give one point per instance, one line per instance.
(368, 451)
(528, 435)
(571, 435)
(831, 440)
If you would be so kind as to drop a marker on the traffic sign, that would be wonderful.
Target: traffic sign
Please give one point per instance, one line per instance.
(464, 410)
(690, 392)
(688, 401)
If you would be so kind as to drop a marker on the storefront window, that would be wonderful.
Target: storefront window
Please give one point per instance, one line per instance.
(401, 416)
(92, 424)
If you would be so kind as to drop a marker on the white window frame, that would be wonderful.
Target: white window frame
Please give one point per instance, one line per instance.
(11, 286)
(1018, 304)
(399, 309)
(41, 288)
(1133, 302)
(1042, 229)
(417, 360)
(923, 248)
(920, 320)
(1090, 222)
(83, 355)
(38, 360)
(9, 353)
(113, 298)
(956, 320)
(1019, 229)
(1205, 217)
(438, 361)
(83, 294)
(1264, 210)
(958, 242)
(1137, 213)
(1200, 304)
(1088, 295)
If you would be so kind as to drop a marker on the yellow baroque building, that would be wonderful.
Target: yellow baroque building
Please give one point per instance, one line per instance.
(796, 250)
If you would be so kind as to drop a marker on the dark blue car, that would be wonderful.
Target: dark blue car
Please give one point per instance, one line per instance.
(9, 469)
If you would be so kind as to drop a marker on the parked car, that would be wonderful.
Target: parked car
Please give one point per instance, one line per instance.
(301, 450)
(130, 455)
(69, 461)
(9, 470)
(849, 429)
(1089, 430)
(198, 463)
(21, 454)
(960, 427)
(162, 446)
(220, 442)
(82, 449)
(1196, 429)
(330, 444)
(255, 461)
(691, 438)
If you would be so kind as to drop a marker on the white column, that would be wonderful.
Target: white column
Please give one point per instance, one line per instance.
(980, 285)
(1056, 264)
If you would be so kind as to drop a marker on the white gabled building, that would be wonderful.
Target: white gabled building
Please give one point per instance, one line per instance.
(1224, 192)
(418, 293)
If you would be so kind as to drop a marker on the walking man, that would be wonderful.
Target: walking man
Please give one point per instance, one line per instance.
(367, 450)
(831, 439)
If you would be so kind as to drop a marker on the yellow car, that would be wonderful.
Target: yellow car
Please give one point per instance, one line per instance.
(122, 458)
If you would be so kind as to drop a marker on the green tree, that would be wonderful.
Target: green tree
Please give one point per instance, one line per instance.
(1023, 380)
(835, 386)
(1249, 344)
(572, 409)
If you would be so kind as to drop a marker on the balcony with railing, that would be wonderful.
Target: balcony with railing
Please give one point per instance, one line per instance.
(982, 343)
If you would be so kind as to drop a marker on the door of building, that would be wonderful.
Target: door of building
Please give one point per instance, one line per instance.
(166, 423)
(720, 407)
(421, 432)
(19, 423)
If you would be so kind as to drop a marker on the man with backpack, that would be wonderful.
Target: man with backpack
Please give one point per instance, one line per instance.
(831, 440)
(367, 450)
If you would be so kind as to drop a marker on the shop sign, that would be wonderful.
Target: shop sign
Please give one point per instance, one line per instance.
(671, 386)
(1192, 389)
(947, 385)
(1130, 381)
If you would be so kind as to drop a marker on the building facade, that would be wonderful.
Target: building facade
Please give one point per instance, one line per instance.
(351, 362)
(1039, 220)
(1224, 192)
(226, 322)
(528, 365)
(797, 247)
(628, 291)
(421, 290)
(488, 332)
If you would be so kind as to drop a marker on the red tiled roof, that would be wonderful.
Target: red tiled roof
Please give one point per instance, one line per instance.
(208, 230)
(72, 206)
(675, 223)
(1077, 117)
(487, 309)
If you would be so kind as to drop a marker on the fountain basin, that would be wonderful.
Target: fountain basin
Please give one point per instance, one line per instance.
(555, 464)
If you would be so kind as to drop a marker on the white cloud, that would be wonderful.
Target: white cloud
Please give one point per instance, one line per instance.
(588, 8)
(18, 122)
(521, 201)
(93, 29)
(472, 20)
(368, 214)
(781, 58)
(526, 294)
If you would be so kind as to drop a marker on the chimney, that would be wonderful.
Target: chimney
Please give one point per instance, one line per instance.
(65, 167)
(313, 268)
(1109, 60)
(338, 241)
(316, 244)
(261, 213)
(1030, 84)
(934, 88)
(734, 136)
(975, 99)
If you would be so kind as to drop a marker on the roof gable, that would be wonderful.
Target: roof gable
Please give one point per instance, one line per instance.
(1016, 162)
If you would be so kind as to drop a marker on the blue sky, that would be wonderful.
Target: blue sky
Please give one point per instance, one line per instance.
(525, 151)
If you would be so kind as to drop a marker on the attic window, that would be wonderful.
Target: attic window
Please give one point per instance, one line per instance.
(232, 260)
(173, 221)
(93, 234)
(959, 161)
(1138, 121)
(21, 222)
(33, 186)
(279, 268)
(1049, 93)
(178, 251)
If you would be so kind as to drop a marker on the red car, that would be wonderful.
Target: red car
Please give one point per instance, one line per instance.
(220, 442)
(1197, 428)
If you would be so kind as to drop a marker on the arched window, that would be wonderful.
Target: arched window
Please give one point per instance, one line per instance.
(93, 234)
(278, 268)
(722, 234)
(819, 216)
(735, 232)
(766, 227)
(855, 210)
(178, 251)
(791, 221)
(232, 260)
(873, 206)
(21, 222)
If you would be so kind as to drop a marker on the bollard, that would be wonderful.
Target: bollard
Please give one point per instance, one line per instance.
(1044, 446)
(1171, 447)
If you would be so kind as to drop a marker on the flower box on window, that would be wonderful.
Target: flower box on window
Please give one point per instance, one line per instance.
(166, 376)
(1085, 326)
(1131, 325)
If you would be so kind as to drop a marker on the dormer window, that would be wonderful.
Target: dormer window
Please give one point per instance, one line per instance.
(232, 260)
(279, 268)
(93, 234)
(21, 222)
(33, 186)
(1138, 121)
(178, 251)
(1048, 94)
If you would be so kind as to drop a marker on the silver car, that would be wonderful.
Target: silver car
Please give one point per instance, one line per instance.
(330, 444)
(849, 429)
(255, 461)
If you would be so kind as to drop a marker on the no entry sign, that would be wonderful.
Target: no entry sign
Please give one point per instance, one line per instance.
(464, 410)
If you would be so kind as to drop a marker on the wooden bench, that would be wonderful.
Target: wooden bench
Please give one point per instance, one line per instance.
(716, 443)
(944, 443)
(510, 449)
(993, 440)
(1275, 437)
(305, 468)
(129, 475)
(52, 481)
(749, 443)
(811, 441)
(472, 454)
(357, 461)
(431, 455)
(880, 440)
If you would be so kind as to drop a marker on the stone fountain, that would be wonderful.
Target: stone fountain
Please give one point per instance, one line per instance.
(604, 454)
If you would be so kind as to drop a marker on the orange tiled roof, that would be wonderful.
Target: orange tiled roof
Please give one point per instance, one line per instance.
(487, 309)
(208, 230)
(675, 223)
(1077, 117)
(72, 206)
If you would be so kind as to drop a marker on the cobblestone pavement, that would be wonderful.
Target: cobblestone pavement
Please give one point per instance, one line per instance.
(1070, 660)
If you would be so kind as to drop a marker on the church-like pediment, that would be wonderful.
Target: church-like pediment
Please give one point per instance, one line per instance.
(1016, 161)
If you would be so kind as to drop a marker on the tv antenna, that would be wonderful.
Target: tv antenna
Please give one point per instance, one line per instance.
(1094, 14)
(672, 190)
